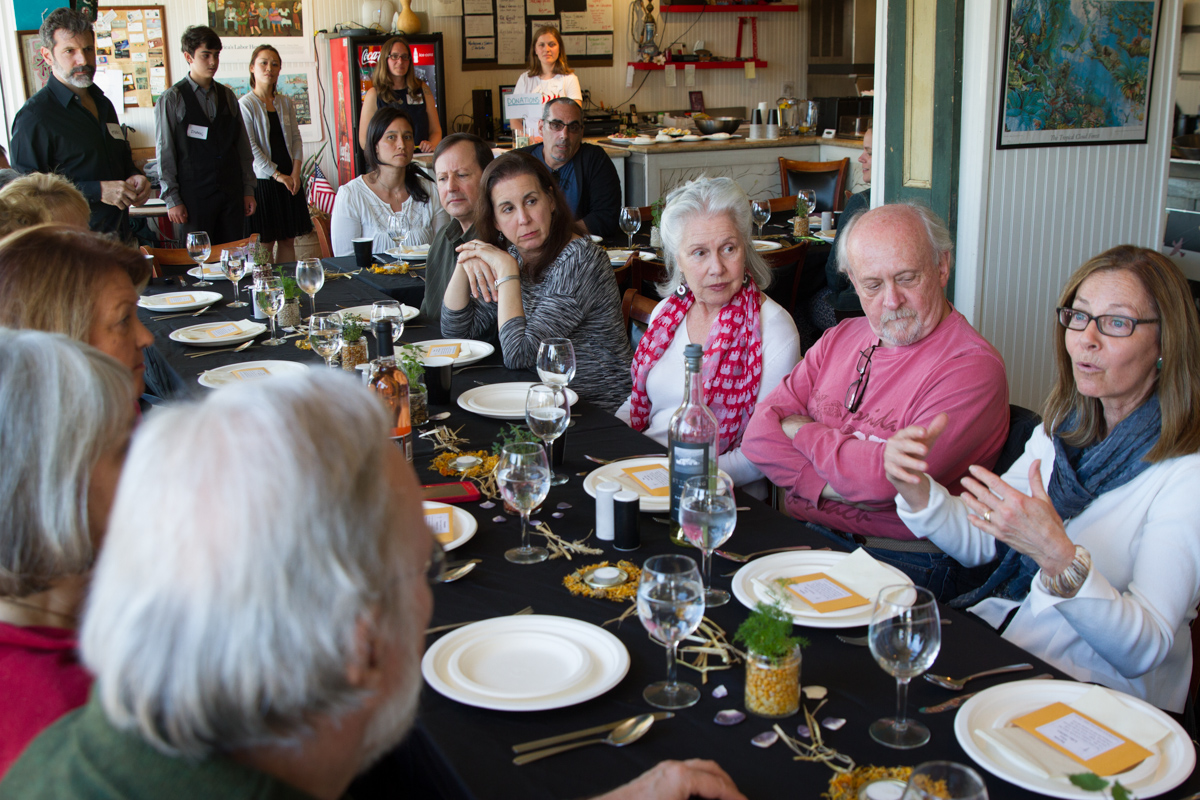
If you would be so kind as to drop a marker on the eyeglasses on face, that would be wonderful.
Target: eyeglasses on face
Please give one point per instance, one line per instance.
(557, 126)
(855, 391)
(1107, 324)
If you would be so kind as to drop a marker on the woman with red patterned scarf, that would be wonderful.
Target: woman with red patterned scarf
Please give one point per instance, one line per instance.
(714, 296)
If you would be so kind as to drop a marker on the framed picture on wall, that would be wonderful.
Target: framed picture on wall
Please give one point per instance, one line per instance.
(1077, 73)
(696, 101)
(35, 71)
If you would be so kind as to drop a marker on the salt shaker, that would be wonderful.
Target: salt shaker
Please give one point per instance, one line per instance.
(604, 509)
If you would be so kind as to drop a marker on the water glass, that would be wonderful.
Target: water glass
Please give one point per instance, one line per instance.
(708, 515)
(810, 200)
(397, 230)
(268, 293)
(905, 636)
(670, 604)
(760, 210)
(233, 264)
(547, 412)
(523, 474)
(199, 248)
(556, 362)
(631, 220)
(944, 780)
(325, 335)
(310, 277)
(388, 309)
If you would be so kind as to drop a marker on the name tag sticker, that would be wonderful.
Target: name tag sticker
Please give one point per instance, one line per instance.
(224, 331)
(443, 350)
(1080, 738)
(197, 131)
(250, 373)
(655, 479)
(441, 524)
(180, 298)
(823, 593)
(114, 130)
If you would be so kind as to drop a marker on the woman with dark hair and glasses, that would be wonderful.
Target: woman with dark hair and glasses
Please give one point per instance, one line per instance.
(1097, 525)
(394, 184)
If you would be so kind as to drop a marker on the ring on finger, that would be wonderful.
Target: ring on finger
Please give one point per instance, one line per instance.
(987, 516)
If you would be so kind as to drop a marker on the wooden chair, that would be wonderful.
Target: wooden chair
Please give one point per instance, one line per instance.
(778, 204)
(321, 229)
(641, 271)
(826, 178)
(636, 307)
(788, 257)
(621, 273)
(178, 256)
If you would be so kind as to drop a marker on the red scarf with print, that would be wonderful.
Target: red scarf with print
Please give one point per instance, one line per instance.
(732, 366)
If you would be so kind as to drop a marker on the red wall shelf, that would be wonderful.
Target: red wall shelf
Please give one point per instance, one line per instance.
(726, 9)
(642, 65)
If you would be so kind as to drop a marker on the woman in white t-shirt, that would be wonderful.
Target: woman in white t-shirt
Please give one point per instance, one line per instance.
(547, 75)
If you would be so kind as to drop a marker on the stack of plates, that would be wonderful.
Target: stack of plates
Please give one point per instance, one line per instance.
(178, 301)
(761, 246)
(364, 312)
(616, 472)
(216, 334)
(212, 272)
(525, 663)
(247, 371)
(417, 252)
(501, 400)
(469, 350)
(464, 524)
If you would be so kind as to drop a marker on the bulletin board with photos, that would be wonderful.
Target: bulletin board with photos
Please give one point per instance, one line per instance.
(132, 39)
(499, 33)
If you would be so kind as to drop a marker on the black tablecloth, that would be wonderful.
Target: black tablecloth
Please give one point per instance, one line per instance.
(465, 751)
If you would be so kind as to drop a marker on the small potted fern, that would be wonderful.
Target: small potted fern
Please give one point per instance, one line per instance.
(289, 315)
(656, 211)
(772, 661)
(354, 342)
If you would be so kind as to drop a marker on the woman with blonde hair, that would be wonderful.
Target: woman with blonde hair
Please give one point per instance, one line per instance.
(395, 83)
(41, 197)
(547, 74)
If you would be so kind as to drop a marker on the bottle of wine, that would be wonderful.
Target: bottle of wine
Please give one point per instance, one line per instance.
(390, 383)
(693, 437)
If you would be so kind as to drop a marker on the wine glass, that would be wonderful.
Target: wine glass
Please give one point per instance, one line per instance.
(397, 229)
(760, 210)
(325, 335)
(810, 199)
(905, 636)
(935, 780)
(708, 515)
(310, 277)
(631, 220)
(670, 604)
(388, 309)
(556, 362)
(523, 474)
(547, 411)
(199, 247)
(233, 264)
(268, 292)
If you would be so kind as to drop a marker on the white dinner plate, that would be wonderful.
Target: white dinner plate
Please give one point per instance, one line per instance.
(179, 301)
(215, 334)
(828, 236)
(803, 562)
(1170, 765)
(464, 524)
(761, 245)
(248, 371)
(595, 238)
(471, 351)
(406, 312)
(618, 257)
(212, 272)
(621, 139)
(416, 252)
(616, 472)
(723, 136)
(532, 662)
(501, 400)
(691, 137)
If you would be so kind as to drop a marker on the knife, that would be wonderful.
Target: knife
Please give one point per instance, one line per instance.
(659, 716)
(962, 698)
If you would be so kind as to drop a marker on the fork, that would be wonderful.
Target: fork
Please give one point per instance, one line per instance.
(742, 559)
(186, 314)
(861, 641)
(452, 626)
(237, 349)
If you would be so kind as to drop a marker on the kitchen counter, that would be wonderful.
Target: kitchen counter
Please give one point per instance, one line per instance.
(727, 144)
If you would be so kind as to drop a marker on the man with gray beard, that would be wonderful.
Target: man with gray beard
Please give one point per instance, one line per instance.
(913, 360)
(71, 128)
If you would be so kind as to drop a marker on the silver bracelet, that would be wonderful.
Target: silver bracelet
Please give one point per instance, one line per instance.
(1067, 582)
(496, 285)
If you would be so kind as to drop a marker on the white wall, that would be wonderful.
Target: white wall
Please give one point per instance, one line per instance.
(1028, 218)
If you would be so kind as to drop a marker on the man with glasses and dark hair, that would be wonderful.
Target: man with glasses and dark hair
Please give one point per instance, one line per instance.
(912, 360)
(584, 171)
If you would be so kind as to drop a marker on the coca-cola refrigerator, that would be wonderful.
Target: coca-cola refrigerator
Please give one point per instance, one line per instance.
(352, 59)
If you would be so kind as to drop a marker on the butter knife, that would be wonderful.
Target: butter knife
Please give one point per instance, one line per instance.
(659, 716)
(955, 702)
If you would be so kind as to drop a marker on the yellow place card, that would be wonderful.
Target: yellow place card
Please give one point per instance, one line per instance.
(443, 350)
(1081, 738)
(655, 479)
(441, 524)
(250, 373)
(223, 331)
(179, 299)
(823, 593)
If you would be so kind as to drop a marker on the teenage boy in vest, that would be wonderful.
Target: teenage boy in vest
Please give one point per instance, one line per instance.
(207, 173)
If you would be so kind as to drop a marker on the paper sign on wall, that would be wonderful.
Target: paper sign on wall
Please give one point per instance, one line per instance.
(516, 106)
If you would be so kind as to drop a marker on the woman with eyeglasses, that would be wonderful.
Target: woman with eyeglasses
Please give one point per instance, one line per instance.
(548, 75)
(395, 83)
(1096, 527)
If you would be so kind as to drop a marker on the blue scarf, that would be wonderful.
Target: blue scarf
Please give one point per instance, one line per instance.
(1080, 476)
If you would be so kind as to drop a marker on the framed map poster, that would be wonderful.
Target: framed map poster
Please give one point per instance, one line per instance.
(35, 70)
(1077, 72)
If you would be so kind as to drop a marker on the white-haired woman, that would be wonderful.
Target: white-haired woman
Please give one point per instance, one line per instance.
(56, 486)
(714, 297)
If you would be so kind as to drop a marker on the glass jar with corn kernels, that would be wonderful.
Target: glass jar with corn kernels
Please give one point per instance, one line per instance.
(773, 684)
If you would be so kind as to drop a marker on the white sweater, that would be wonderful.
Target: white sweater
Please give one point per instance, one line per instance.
(664, 384)
(558, 86)
(359, 212)
(1127, 628)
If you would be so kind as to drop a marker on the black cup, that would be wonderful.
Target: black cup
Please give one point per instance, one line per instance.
(439, 376)
(627, 531)
(362, 252)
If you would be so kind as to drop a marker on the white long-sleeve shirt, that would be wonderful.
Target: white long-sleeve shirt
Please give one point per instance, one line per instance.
(359, 212)
(1127, 627)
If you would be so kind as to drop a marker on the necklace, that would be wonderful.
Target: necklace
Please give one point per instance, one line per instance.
(71, 618)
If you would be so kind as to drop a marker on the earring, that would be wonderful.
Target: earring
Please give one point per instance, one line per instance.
(746, 279)
(1158, 364)
(681, 289)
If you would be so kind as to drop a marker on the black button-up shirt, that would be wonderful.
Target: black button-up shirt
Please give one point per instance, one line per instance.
(54, 132)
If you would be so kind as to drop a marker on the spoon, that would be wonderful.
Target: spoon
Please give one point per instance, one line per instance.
(957, 684)
(451, 575)
(627, 732)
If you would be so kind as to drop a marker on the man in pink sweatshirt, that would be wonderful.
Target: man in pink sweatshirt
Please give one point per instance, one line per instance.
(913, 360)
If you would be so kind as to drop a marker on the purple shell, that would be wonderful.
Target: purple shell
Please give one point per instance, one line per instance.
(499, 518)
(832, 723)
(720, 692)
(561, 506)
(804, 731)
(765, 739)
(487, 504)
(730, 716)
(558, 515)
